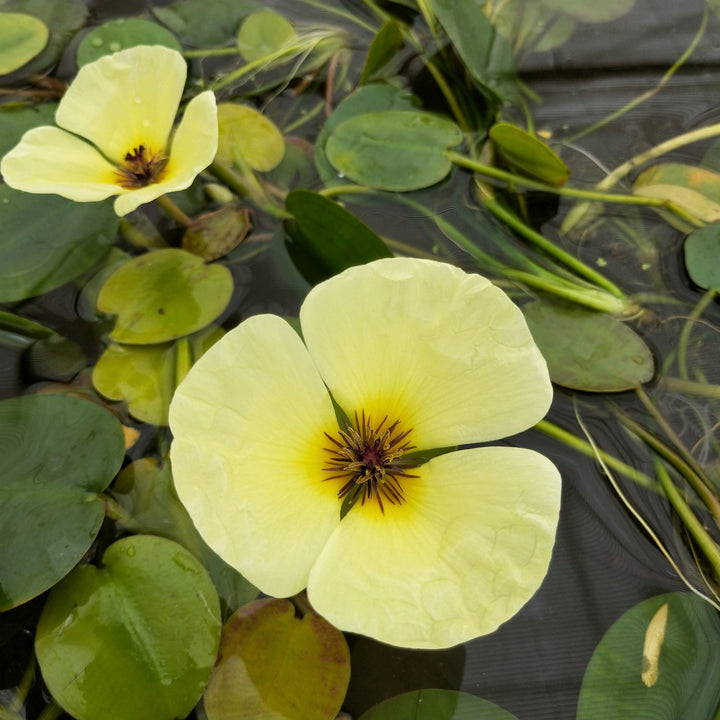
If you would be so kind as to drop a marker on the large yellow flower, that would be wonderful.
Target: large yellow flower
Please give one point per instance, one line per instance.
(116, 119)
(420, 356)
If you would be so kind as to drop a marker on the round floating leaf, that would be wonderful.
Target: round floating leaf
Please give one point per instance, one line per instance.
(145, 376)
(46, 240)
(22, 37)
(135, 638)
(120, 34)
(588, 350)
(57, 454)
(247, 136)
(702, 257)
(436, 705)
(528, 154)
(262, 33)
(146, 491)
(328, 239)
(272, 665)
(164, 295)
(660, 660)
(393, 150)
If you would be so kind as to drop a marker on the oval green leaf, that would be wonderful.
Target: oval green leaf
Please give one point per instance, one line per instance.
(262, 34)
(436, 705)
(46, 240)
(702, 257)
(272, 665)
(528, 154)
(247, 136)
(120, 34)
(588, 350)
(57, 454)
(164, 295)
(135, 638)
(660, 660)
(383, 50)
(22, 37)
(393, 150)
(327, 238)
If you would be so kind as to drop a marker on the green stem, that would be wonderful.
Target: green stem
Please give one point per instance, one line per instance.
(211, 52)
(341, 13)
(690, 387)
(117, 512)
(51, 712)
(689, 519)
(239, 185)
(173, 210)
(683, 340)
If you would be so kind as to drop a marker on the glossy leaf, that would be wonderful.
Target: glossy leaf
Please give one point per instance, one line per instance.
(262, 33)
(205, 23)
(436, 705)
(273, 666)
(46, 240)
(327, 238)
(214, 234)
(164, 295)
(588, 350)
(57, 454)
(133, 638)
(121, 34)
(693, 189)
(591, 11)
(22, 37)
(393, 150)
(485, 52)
(702, 257)
(383, 50)
(527, 154)
(145, 376)
(653, 667)
(145, 490)
(248, 136)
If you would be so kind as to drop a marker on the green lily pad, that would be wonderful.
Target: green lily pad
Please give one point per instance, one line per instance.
(145, 490)
(695, 190)
(660, 660)
(273, 665)
(327, 238)
(393, 150)
(247, 136)
(262, 33)
(528, 154)
(145, 376)
(702, 257)
(164, 295)
(588, 350)
(46, 240)
(134, 638)
(57, 454)
(120, 34)
(436, 705)
(22, 37)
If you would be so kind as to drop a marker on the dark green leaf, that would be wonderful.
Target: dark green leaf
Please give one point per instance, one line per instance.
(702, 257)
(17, 120)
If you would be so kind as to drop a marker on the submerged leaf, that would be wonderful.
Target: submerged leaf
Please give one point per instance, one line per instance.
(590, 10)
(248, 136)
(22, 37)
(262, 33)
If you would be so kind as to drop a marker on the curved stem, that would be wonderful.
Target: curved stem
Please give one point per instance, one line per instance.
(698, 310)
(173, 210)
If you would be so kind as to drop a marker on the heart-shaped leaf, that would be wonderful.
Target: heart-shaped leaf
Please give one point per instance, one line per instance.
(57, 454)
(135, 638)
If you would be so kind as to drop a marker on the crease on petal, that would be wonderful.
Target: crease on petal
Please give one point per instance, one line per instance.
(50, 160)
(463, 555)
(248, 423)
(126, 99)
(444, 351)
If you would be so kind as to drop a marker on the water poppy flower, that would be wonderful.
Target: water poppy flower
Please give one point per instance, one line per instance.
(115, 133)
(419, 355)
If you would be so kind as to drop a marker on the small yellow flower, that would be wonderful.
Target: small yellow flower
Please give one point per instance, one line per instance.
(114, 135)
(420, 356)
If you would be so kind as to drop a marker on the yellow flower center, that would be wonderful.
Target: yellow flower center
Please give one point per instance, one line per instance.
(368, 459)
(140, 167)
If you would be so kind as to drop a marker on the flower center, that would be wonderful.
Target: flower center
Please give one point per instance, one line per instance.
(140, 167)
(368, 459)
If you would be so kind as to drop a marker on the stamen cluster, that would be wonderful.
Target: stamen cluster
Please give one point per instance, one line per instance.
(142, 167)
(369, 459)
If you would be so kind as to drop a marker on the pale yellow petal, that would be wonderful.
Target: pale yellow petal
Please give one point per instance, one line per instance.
(248, 424)
(443, 351)
(193, 149)
(50, 160)
(466, 551)
(125, 100)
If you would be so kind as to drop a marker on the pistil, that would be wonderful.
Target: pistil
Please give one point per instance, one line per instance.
(141, 167)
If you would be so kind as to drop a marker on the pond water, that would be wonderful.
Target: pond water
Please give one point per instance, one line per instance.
(604, 562)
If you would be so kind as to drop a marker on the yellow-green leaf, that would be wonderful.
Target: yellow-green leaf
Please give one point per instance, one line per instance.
(22, 37)
(247, 136)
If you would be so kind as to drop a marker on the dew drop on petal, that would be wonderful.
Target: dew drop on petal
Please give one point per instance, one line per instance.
(138, 100)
